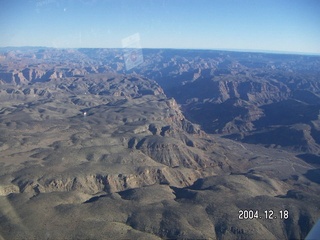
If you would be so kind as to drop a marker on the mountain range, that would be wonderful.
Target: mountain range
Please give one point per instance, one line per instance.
(173, 148)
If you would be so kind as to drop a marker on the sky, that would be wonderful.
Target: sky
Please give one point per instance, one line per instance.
(267, 25)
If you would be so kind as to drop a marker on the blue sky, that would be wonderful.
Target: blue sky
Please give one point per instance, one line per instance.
(271, 25)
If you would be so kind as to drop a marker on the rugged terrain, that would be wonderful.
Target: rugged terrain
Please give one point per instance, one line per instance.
(249, 97)
(112, 153)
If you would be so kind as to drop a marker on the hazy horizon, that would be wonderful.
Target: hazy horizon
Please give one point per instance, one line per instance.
(257, 26)
(196, 49)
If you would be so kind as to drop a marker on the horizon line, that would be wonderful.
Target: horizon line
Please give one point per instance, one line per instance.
(169, 48)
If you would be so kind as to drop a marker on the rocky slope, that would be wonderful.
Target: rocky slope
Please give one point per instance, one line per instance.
(111, 114)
